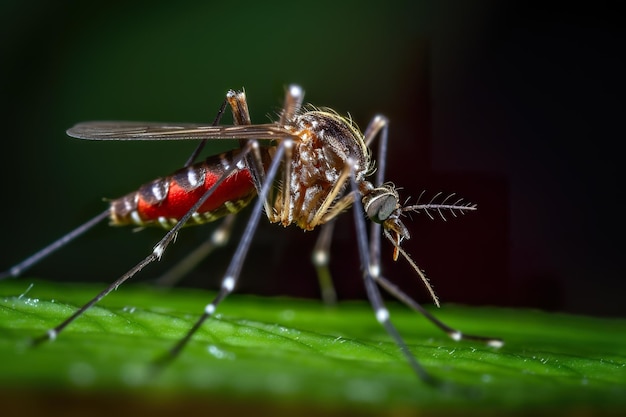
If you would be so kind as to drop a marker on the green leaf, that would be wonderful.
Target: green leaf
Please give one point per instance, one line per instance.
(267, 351)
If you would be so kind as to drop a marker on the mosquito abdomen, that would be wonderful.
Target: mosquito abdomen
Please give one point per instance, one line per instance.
(164, 201)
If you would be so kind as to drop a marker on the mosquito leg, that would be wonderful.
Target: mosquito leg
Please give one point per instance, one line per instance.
(320, 258)
(255, 160)
(16, 270)
(454, 334)
(379, 126)
(321, 251)
(239, 106)
(373, 293)
(216, 121)
(219, 238)
(293, 102)
(287, 202)
(234, 269)
(156, 254)
(241, 116)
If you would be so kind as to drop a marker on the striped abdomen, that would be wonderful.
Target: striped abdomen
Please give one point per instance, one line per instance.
(164, 201)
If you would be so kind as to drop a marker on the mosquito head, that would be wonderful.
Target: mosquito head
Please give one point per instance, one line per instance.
(382, 205)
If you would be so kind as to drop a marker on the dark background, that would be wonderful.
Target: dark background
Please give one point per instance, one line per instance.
(515, 108)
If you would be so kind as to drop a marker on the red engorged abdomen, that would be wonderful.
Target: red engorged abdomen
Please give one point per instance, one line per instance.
(238, 189)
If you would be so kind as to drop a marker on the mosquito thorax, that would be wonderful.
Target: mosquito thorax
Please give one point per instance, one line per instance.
(335, 138)
(318, 166)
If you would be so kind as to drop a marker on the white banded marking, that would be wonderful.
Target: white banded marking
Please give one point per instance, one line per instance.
(320, 258)
(374, 271)
(456, 336)
(209, 309)
(129, 205)
(495, 343)
(225, 162)
(192, 177)
(219, 238)
(136, 218)
(295, 91)
(197, 218)
(231, 207)
(228, 284)
(157, 191)
(158, 251)
(382, 315)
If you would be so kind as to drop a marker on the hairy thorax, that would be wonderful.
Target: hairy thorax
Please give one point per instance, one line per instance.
(317, 170)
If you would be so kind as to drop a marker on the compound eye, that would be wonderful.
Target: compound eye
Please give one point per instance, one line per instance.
(379, 208)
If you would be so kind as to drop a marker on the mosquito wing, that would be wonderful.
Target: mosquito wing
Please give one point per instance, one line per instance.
(173, 131)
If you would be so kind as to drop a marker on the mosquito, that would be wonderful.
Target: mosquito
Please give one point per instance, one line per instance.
(306, 168)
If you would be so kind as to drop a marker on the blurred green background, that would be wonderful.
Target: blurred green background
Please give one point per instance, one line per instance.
(509, 107)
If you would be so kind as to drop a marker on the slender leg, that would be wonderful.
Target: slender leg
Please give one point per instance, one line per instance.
(254, 160)
(216, 121)
(325, 211)
(16, 270)
(218, 239)
(321, 251)
(293, 102)
(241, 116)
(379, 124)
(320, 258)
(373, 293)
(220, 236)
(286, 184)
(294, 96)
(454, 334)
(234, 269)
